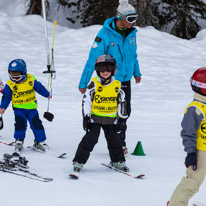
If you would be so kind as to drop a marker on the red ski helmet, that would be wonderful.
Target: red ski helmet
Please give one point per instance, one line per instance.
(198, 81)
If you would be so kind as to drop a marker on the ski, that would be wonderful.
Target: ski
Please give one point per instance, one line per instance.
(6, 143)
(141, 176)
(198, 204)
(74, 176)
(17, 165)
(30, 175)
(63, 155)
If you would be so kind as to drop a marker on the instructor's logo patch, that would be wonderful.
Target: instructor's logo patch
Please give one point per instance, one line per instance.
(98, 39)
(95, 45)
(132, 41)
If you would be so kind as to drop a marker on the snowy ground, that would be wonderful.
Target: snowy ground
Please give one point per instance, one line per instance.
(158, 104)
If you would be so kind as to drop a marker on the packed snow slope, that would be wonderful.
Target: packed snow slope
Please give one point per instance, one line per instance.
(158, 104)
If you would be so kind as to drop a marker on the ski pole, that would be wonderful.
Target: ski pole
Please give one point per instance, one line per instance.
(52, 55)
(1, 122)
(47, 115)
(46, 35)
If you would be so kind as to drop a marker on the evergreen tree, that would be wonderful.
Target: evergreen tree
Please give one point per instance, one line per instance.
(96, 12)
(182, 16)
(34, 7)
(148, 14)
(70, 6)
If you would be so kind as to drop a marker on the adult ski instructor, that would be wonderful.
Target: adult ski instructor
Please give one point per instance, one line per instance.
(117, 38)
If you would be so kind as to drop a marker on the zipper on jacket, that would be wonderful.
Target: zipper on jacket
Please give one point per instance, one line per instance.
(120, 51)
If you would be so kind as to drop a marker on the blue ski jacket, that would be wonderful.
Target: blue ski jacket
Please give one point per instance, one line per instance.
(124, 50)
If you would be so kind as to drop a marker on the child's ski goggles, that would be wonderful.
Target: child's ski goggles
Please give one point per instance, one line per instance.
(16, 78)
(131, 18)
(105, 68)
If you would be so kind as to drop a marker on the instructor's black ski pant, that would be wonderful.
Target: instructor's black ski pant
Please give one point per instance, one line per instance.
(126, 87)
(114, 143)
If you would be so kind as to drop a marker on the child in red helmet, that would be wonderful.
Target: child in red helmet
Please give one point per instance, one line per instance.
(194, 141)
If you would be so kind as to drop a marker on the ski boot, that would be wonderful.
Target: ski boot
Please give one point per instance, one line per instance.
(19, 145)
(40, 146)
(120, 165)
(78, 166)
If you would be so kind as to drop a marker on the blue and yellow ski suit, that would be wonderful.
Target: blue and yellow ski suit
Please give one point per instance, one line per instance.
(24, 105)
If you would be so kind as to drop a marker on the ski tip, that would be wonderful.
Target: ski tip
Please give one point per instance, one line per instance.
(62, 155)
(47, 179)
(73, 176)
(140, 176)
(11, 144)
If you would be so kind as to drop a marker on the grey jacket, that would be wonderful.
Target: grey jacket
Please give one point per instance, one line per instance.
(190, 124)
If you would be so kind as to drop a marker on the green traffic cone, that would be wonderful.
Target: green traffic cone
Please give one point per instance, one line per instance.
(139, 150)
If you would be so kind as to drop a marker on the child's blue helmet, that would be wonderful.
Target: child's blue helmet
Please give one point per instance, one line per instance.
(18, 65)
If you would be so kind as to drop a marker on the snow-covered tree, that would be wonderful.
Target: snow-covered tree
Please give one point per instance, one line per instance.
(148, 13)
(96, 12)
(34, 7)
(182, 16)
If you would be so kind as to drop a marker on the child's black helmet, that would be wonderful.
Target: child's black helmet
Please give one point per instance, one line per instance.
(105, 63)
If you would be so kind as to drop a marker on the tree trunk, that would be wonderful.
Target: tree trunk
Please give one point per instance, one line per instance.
(35, 7)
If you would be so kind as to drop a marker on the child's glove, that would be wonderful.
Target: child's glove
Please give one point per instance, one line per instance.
(191, 160)
(121, 125)
(86, 122)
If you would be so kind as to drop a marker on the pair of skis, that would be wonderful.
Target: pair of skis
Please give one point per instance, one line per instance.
(17, 165)
(75, 175)
(63, 155)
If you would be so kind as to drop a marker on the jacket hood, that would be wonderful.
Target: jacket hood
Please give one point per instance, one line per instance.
(110, 25)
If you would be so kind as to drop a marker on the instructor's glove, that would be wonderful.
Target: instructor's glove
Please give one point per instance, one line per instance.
(86, 122)
(191, 160)
(121, 125)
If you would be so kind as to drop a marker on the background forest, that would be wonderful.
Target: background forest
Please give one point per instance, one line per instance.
(182, 18)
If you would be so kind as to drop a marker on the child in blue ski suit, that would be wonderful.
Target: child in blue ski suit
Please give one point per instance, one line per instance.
(20, 89)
